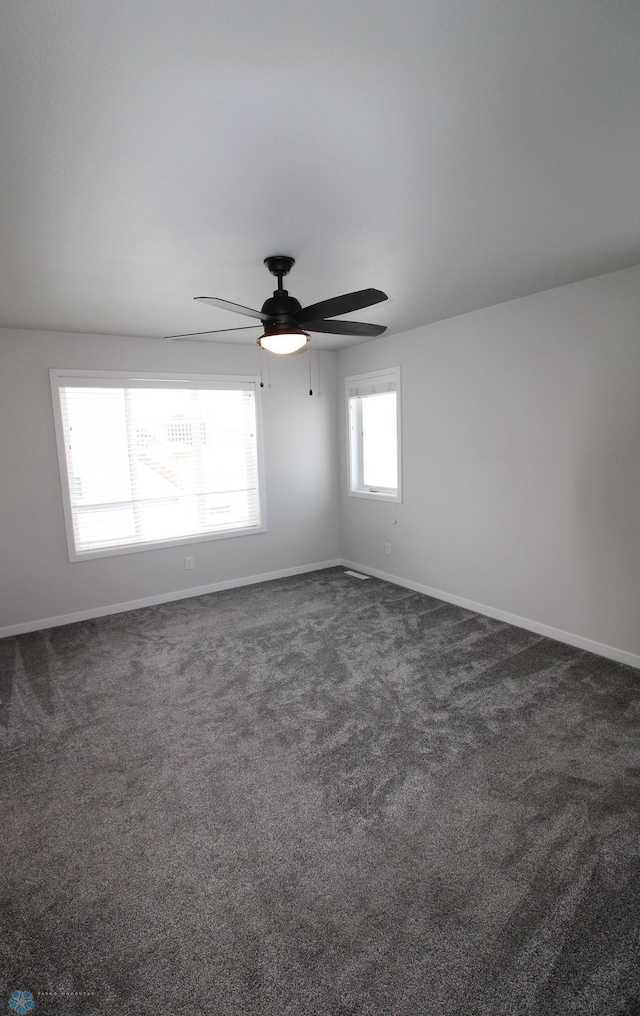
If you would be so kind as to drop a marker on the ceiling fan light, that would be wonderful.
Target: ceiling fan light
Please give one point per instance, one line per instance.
(283, 342)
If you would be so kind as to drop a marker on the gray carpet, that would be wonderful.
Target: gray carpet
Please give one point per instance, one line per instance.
(317, 796)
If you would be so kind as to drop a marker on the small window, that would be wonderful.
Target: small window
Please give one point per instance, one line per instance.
(156, 460)
(373, 406)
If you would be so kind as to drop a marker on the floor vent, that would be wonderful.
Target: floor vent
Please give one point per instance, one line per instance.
(356, 574)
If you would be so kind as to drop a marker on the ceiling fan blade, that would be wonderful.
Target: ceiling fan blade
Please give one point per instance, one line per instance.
(237, 308)
(345, 328)
(345, 304)
(218, 331)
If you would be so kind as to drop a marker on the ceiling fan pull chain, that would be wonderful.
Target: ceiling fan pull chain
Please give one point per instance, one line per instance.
(309, 355)
(261, 381)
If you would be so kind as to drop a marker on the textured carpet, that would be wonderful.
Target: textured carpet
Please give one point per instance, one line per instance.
(322, 796)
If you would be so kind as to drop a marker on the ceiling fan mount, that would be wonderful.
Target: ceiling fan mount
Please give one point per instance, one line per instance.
(282, 317)
(281, 307)
(279, 264)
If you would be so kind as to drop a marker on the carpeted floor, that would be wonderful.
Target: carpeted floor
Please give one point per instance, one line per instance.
(321, 796)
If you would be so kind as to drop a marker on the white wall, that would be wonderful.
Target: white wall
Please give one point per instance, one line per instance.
(521, 462)
(521, 470)
(37, 582)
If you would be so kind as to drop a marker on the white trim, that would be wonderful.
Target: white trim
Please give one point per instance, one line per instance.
(578, 641)
(391, 378)
(151, 601)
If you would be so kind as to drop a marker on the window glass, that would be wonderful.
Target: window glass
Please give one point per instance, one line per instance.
(380, 440)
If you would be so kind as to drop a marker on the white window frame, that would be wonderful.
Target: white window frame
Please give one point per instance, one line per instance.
(357, 387)
(60, 378)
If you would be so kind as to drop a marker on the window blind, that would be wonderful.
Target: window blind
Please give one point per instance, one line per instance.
(361, 390)
(151, 461)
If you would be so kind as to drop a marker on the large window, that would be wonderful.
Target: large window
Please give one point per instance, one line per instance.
(373, 407)
(150, 460)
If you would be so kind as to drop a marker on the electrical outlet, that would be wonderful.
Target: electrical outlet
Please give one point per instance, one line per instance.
(387, 549)
(188, 563)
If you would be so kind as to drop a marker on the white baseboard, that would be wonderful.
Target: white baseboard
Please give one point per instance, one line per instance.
(599, 648)
(151, 601)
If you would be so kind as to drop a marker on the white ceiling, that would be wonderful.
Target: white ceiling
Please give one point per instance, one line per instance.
(454, 153)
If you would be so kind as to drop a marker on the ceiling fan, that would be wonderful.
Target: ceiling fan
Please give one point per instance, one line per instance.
(286, 324)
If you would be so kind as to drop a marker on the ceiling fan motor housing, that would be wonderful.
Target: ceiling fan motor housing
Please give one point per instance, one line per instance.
(281, 307)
